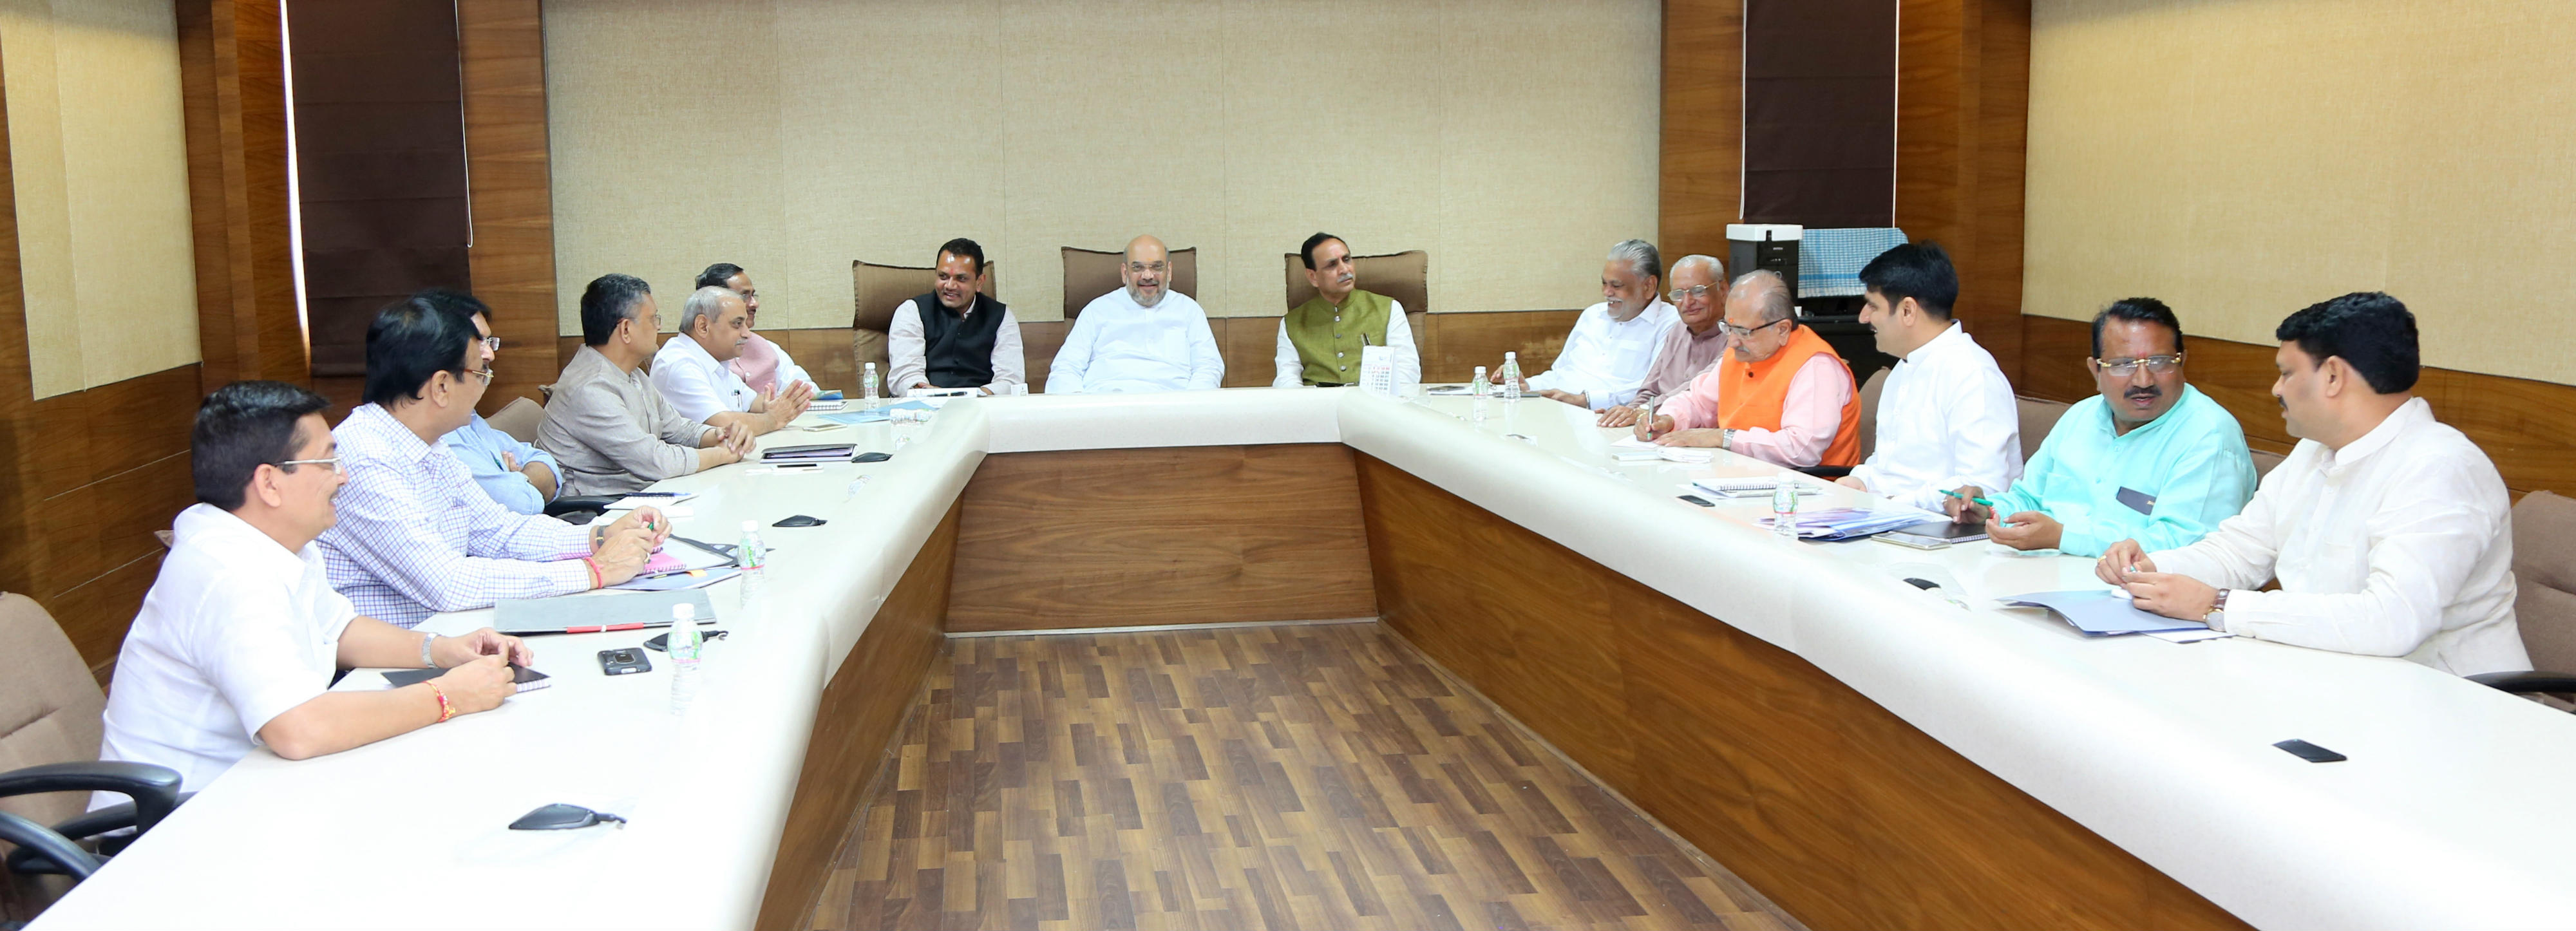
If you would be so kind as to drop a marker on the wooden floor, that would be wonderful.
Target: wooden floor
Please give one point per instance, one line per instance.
(1310, 776)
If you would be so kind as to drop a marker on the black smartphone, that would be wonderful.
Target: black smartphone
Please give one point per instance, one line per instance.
(2310, 752)
(873, 457)
(1695, 499)
(784, 466)
(624, 661)
(800, 520)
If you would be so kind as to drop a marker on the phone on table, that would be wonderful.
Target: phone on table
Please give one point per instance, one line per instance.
(1695, 499)
(624, 661)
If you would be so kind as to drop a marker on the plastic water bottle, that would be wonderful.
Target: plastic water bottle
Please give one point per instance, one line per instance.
(753, 558)
(1478, 390)
(1511, 377)
(684, 647)
(1784, 508)
(868, 387)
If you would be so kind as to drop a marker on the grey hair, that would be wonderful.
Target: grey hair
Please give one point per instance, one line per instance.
(1716, 269)
(1768, 291)
(704, 302)
(1640, 256)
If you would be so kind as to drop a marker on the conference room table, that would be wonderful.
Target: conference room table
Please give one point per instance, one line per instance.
(2450, 811)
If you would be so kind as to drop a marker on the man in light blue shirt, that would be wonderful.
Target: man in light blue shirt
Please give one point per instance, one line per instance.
(2150, 458)
(518, 475)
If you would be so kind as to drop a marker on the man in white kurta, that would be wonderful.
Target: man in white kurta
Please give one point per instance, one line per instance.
(690, 372)
(2390, 532)
(1141, 337)
(1613, 343)
(1946, 417)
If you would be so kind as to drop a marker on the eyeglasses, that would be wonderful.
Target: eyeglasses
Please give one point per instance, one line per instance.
(1747, 332)
(1677, 294)
(333, 462)
(492, 343)
(1140, 268)
(486, 373)
(2123, 368)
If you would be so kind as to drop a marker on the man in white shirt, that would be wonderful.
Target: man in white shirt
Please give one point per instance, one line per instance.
(2390, 532)
(690, 369)
(1323, 341)
(1613, 344)
(969, 340)
(763, 364)
(1142, 337)
(238, 638)
(1946, 417)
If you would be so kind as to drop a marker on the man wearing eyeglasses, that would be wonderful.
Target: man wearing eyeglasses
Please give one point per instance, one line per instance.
(2150, 458)
(416, 535)
(1699, 295)
(1141, 337)
(1780, 395)
(517, 475)
(690, 369)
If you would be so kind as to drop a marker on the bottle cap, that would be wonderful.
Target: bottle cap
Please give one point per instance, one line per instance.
(684, 612)
(1511, 356)
(750, 526)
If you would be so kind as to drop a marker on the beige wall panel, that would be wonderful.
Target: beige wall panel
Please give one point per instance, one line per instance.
(664, 121)
(1515, 141)
(2242, 160)
(99, 157)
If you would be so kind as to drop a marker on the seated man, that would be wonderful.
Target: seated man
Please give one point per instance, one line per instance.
(416, 536)
(1781, 396)
(1318, 347)
(605, 424)
(764, 365)
(517, 475)
(1142, 337)
(2391, 533)
(2150, 458)
(1699, 286)
(1606, 356)
(690, 369)
(238, 639)
(1946, 416)
(972, 341)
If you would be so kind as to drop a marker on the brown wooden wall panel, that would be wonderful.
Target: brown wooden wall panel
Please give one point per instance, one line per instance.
(860, 715)
(233, 91)
(1963, 99)
(1702, 159)
(501, 52)
(1457, 343)
(1190, 535)
(1825, 802)
(2527, 427)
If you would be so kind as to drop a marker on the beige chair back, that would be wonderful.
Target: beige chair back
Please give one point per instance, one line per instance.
(50, 711)
(1404, 276)
(2544, 577)
(1089, 273)
(519, 419)
(1869, 392)
(2264, 462)
(2037, 418)
(875, 291)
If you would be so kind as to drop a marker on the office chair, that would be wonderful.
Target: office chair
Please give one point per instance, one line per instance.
(50, 756)
(2544, 602)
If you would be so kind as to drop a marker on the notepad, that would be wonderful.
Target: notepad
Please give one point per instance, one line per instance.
(529, 680)
(2099, 612)
(816, 452)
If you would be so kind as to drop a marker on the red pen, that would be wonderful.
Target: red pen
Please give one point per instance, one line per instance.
(601, 630)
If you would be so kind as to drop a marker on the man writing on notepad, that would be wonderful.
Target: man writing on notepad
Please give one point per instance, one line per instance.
(238, 638)
(1781, 394)
(416, 535)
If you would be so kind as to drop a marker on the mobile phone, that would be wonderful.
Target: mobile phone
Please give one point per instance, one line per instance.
(1695, 499)
(873, 457)
(624, 661)
(2310, 752)
(784, 466)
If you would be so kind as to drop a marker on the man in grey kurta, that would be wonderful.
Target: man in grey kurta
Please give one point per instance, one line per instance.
(605, 424)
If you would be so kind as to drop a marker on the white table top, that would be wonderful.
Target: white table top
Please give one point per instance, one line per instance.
(2443, 816)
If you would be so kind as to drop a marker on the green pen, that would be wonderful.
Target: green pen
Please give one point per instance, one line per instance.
(1980, 501)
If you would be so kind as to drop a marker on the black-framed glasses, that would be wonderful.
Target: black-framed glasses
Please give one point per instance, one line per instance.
(1747, 332)
(2123, 368)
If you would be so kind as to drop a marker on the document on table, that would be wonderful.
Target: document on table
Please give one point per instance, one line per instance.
(1838, 524)
(2099, 612)
(880, 415)
(1632, 449)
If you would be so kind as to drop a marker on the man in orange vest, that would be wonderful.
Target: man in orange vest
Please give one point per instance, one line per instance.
(1780, 395)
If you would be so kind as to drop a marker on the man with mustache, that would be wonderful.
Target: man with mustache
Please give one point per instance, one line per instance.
(415, 535)
(1699, 296)
(763, 364)
(2149, 459)
(691, 368)
(1781, 394)
(1946, 417)
(955, 336)
(1320, 341)
(1142, 337)
(2391, 534)
(1613, 342)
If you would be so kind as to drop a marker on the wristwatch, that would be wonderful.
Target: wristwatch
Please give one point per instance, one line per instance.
(2217, 616)
(425, 641)
(1726, 439)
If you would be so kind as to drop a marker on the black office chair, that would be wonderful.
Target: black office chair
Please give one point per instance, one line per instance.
(579, 509)
(77, 847)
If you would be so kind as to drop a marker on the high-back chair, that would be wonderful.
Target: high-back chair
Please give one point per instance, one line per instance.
(1090, 273)
(50, 727)
(875, 291)
(2544, 601)
(2037, 418)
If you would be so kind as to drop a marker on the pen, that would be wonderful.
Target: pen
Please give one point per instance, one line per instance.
(596, 629)
(1980, 501)
(654, 494)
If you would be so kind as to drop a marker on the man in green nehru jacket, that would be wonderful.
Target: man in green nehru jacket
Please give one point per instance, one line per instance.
(1320, 341)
